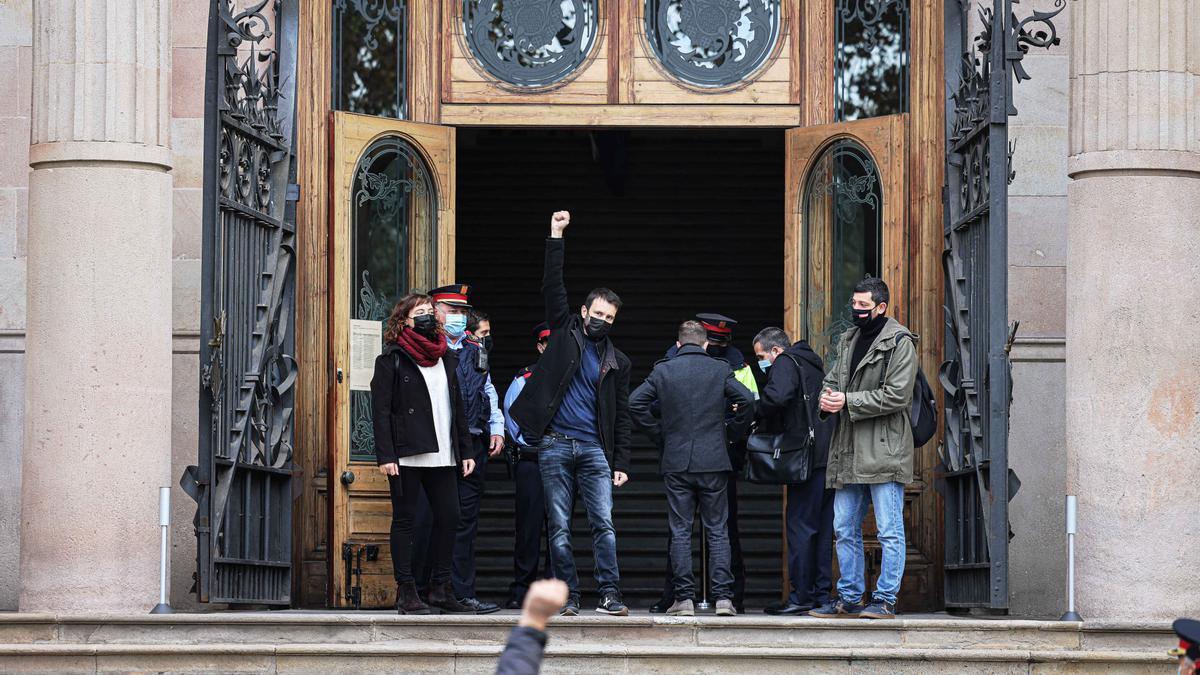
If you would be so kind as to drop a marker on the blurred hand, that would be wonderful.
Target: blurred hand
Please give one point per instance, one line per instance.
(468, 466)
(558, 223)
(496, 446)
(620, 478)
(392, 469)
(543, 601)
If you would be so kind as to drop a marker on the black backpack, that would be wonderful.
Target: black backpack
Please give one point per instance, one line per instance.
(922, 414)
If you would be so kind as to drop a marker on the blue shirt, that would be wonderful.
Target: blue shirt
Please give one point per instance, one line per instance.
(576, 416)
(514, 390)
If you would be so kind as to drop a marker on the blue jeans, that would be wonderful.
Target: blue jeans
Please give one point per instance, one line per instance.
(849, 509)
(565, 465)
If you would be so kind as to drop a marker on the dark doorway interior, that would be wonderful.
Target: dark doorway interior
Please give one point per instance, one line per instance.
(677, 222)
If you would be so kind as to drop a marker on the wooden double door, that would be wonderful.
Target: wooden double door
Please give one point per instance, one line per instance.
(392, 230)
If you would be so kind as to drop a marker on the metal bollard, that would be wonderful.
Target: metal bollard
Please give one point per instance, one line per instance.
(1071, 614)
(703, 604)
(164, 524)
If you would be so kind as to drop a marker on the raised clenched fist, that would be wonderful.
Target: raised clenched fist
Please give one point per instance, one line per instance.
(559, 222)
(543, 601)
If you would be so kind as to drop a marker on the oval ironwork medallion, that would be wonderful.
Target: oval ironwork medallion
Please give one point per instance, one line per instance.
(712, 43)
(530, 43)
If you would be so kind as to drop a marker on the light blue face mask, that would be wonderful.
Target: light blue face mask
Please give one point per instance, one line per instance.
(763, 365)
(456, 325)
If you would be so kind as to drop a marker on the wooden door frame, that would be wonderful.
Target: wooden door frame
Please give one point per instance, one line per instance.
(814, 23)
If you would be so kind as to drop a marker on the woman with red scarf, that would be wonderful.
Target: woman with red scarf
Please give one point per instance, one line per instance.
(421, 440)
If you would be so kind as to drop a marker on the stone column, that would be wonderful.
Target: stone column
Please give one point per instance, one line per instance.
(97, 439)
(1133, 350)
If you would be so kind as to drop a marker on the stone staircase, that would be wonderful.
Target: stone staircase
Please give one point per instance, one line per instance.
(367, 642)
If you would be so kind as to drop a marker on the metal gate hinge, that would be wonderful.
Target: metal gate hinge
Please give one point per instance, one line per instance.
(293, 192)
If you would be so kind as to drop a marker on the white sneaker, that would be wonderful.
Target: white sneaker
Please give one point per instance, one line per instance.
(725, 608)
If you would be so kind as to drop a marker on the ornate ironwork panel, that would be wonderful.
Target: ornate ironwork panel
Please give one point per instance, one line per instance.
(243, 482)
(843, 213)
(870, 64)
(393, 244)
(369, 45)
(530, 43)
(713, 43)
(976, 377)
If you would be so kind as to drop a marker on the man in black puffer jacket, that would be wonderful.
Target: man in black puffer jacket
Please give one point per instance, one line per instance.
(785, 406)
(574, 410)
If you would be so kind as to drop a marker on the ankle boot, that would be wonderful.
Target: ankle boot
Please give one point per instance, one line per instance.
(441, 597)
(407, 600)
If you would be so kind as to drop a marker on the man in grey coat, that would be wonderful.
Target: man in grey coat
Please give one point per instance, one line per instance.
(692, 392)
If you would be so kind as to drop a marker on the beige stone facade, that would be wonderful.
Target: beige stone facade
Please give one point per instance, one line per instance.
(1091, 261)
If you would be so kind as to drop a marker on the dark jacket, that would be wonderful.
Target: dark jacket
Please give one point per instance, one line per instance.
(693, 392)
(402, 414)
(523, 652)
(781, 404)
(539, 401)
(471, 381)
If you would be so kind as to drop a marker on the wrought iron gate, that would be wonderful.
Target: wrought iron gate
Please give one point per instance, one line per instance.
(243, 482)
(976, 378)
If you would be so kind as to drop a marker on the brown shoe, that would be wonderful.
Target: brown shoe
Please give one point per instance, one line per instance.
(407, 600)
(441, 598)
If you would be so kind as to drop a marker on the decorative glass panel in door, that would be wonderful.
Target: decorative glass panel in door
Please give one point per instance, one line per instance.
(392, 231)
(870, 58)
(393, 217)
(843, 219)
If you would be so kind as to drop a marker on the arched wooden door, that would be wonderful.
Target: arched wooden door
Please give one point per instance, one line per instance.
(392, 231)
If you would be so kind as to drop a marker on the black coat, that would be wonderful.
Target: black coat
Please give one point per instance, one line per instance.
(693, 391)
(402, 414)
(544, 391)
(781, 405)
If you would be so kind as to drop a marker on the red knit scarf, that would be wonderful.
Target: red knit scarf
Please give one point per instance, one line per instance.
(424, 351)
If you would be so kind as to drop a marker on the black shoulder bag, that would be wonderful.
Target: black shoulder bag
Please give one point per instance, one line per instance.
(768, 463)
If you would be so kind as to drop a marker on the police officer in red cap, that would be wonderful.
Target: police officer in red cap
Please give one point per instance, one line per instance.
(527, 480)
(1188, 651)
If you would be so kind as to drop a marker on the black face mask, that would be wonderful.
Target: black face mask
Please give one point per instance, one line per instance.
(597, 329)
(426, 325)
(487, 343)
(864, 317)
(717, 350)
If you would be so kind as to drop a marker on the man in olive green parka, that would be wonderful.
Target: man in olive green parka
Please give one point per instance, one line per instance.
(869, 388)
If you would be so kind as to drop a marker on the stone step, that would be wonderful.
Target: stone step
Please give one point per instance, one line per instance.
(752, 631)
(425, 656)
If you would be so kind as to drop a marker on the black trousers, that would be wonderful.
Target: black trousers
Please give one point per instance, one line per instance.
(441, 488)
(810, 540)
(470, 492)
(686, 491)
(737, 563)
(470, 497)
(530, 528)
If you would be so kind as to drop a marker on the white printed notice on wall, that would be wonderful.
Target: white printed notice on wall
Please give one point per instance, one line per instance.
(366, 342)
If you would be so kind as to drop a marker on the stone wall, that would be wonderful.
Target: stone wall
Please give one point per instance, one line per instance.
(188, 32)
(1037, 269)
(16, 81)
